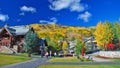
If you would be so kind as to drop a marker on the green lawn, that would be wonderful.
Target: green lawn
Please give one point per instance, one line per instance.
(79, 66)
(6, 59)
(64, 59)
(116, 60)
(67, 59)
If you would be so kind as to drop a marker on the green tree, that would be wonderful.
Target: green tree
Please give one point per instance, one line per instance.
(109, 34)
(78, 47)
(52, 45)
(116, 31)
(31, 43)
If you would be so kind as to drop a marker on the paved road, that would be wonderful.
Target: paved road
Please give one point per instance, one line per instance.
(29, 64)
(42, 61)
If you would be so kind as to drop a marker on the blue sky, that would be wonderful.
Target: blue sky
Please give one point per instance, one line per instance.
(63, 12)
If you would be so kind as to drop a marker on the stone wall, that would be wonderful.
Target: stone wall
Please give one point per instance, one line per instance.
(110, 54)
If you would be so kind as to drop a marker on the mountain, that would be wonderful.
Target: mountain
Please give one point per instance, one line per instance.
(60, 32)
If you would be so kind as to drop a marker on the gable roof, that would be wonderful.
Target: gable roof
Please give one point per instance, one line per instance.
(89, 39)
(17, 30)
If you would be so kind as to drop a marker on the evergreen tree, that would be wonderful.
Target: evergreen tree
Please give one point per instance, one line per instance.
(31, 43)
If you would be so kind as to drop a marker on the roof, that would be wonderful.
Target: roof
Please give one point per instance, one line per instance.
(89, 39)
(17, 30)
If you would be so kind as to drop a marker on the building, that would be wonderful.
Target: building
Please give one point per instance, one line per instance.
(12, 38)
(70, 49)
(91, 45)
(71, 46)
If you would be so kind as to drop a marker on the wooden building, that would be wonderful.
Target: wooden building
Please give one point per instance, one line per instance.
(12, 38)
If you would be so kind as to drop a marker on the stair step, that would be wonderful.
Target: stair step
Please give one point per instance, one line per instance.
(5, 49)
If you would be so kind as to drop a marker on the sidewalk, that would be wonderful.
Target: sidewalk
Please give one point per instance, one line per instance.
(96, 59)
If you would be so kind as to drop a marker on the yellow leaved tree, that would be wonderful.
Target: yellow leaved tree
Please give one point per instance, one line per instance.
(99, 34)
(103, 34)
(64, 47)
